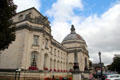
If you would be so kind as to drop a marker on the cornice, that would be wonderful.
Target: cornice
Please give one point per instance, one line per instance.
(74, 50)
(32, 28)
(57, 44)
(78, 49)
(69, 42)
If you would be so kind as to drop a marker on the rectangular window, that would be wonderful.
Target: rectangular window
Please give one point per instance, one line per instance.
(55, 52)
(58, 53)
(46, 43)
(35, 40)
(51, 50)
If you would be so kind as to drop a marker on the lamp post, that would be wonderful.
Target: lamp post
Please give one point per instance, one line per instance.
(100, 63)
(15, 74)
(18, 70)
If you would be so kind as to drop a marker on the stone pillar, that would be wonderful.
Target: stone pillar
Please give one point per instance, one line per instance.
(76, 72)
(52, 64)
(60, 65)
(55, 64)
(42, 61)
(64, 65)
(76, 76)
(48, 62)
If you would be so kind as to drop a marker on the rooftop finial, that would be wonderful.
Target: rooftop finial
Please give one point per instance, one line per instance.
(72, 29)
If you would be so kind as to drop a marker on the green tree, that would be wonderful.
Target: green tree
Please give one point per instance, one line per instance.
(115, 66)
(7, 31)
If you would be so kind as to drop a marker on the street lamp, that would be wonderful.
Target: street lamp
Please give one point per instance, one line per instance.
(18, 70)
(100, 63)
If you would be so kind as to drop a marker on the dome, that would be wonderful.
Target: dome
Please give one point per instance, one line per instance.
(73, 36)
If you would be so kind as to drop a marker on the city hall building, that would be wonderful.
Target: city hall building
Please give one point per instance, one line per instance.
(35, 49)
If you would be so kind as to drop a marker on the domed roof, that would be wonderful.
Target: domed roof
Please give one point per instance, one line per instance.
(73, 36)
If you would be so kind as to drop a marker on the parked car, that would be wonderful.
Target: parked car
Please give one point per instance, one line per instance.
(112, 77)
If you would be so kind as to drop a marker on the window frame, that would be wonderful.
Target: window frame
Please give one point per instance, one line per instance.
(35, 40)
(34, 59)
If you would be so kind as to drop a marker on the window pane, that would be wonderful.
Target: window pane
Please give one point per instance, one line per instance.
(36, 38)
(46, 43)
(33, 59)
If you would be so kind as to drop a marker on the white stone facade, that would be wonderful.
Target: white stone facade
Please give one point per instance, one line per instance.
(51, 55)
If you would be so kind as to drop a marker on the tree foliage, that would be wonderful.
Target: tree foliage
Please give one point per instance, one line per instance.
(115, 66)
(7, 31)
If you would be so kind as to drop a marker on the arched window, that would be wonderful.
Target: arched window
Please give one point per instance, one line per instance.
(46, 62)
(50, 64)
(54, 65)
(34, 59)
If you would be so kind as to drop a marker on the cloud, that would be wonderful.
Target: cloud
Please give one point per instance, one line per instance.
(62, 12)
(100, 32)
(25, 4)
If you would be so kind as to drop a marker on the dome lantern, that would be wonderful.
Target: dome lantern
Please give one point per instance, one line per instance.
(72, 29)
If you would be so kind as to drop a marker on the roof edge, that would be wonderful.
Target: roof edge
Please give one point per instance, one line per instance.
(30, 9)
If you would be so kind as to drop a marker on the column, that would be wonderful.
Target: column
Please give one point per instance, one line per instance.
(52, 65)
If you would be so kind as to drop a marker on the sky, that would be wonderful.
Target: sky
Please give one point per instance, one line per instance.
(97, 21)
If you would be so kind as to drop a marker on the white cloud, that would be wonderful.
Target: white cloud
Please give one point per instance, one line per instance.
(62, 12)
(25, 4)
(101, 33)
(104, 30)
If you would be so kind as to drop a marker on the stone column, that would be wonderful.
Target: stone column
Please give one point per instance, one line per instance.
(42, 61)
(76, 76)
(76, 72)
(52, 64)
(60, 65)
